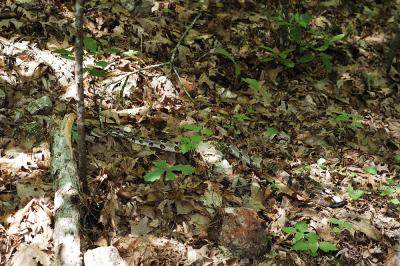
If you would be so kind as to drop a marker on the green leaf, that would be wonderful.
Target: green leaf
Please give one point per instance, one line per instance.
(347, 225)
(162, 164)
(287, 62)
(301, 227)
(326, 61)
(225, 53)
(397, 158)
(304, 19)
(206, 132)
(189, 143)
(394, 201)
(183, 168)
(237, 70)
(97, 72)
(253, 83)
(191, 127)
(90, 45)
(306, 58)
(65, 54)
(241, 117)
(355, 194)
(371, 170)
(336, 230)
(386, 190)
(313, 248)
(271, 132)
(289, 230)
(295, 34)
(298, 236)
(154, 176)
(169, 175)
(102, 64)
(312, 237)
(343, 117)
(334, 221)
(112, 50)
(300, 246)
(327, 246)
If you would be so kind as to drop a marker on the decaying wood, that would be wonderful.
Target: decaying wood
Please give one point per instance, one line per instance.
(66, 199)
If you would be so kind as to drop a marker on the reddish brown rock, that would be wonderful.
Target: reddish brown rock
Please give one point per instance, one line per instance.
(243, 233)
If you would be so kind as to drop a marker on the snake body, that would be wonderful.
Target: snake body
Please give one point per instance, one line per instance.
(252, 161)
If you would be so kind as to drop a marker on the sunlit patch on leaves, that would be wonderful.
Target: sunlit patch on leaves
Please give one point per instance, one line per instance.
(163, 169)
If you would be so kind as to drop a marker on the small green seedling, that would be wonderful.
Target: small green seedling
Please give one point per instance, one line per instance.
(229, 56)
(339, 225)
(253, 84)
(397, 158)
(356, 194)
(164, 169)
(232, 128)
(271, 132)
(355, 120)
(190, 143)
(371, 169)
(305, 40)
(282, 57)
(242, 117)
(392, 189)
(306, 241)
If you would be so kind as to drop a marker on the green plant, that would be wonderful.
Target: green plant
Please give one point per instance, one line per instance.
(397, 158)
(304, 42)
(306, 241)
(355, 120)
(339, 225)
(356, 194)
(164, 169)
(232, 128)
(253, 84)
(242, 117)
(392, 189)
(271, 132)
(371, 169)
(229, 56)
(190, 143)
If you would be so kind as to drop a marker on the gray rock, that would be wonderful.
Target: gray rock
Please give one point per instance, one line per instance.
(41, 105)
(2, 98)
(106, 256)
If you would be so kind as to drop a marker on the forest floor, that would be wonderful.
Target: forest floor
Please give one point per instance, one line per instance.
(308, 94)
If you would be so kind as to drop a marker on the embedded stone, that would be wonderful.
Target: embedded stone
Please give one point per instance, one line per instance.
(2, 98)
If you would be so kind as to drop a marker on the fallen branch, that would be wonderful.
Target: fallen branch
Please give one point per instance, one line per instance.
(66, 199)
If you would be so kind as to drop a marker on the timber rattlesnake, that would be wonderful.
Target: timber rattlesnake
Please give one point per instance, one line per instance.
(252, 161)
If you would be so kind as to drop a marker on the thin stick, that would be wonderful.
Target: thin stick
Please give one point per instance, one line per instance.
(81, 96)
